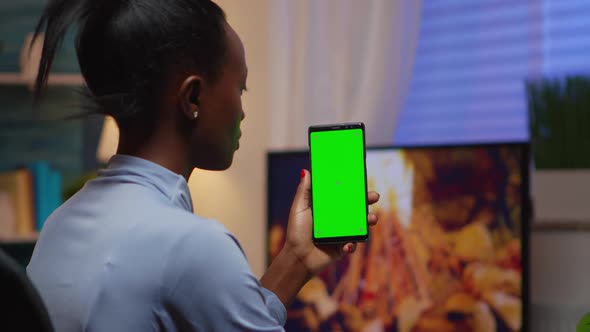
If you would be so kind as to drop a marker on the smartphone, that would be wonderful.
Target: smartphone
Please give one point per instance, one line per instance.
(338, 183)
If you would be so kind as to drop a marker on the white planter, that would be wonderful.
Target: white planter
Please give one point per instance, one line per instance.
(561, 196)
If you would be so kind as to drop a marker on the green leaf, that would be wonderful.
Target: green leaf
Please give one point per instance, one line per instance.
(559, 122)
(584, 324)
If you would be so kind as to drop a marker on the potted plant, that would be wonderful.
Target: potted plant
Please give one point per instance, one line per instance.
(559, 123)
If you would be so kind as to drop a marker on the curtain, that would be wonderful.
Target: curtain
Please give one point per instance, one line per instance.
(339, 61)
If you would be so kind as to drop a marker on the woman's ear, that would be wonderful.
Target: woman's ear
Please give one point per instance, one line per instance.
(189, 97)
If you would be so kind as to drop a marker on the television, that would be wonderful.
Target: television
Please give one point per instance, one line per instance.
(449, 253)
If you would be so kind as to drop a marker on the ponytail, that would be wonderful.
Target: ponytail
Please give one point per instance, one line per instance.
(126, 48)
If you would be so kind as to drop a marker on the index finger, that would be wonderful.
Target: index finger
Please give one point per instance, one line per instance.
(372, 197)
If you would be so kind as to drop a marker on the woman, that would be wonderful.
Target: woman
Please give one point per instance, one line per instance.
(126, 253)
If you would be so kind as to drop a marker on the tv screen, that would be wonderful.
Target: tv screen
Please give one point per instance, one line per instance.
(449, 251)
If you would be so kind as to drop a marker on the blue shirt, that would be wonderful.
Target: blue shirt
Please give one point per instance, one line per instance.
(126, 253)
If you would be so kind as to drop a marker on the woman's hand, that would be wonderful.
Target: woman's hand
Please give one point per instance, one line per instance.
(300, 259)
(299, 231)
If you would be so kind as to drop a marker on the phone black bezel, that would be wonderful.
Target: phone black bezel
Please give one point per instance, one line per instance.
(334, 127)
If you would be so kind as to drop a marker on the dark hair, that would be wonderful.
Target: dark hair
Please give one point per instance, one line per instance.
(126, 48)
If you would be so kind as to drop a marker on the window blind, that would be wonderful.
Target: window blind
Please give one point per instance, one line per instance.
(567, 37)
(473, 58)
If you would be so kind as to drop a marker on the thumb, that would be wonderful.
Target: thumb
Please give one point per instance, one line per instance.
(302, 200)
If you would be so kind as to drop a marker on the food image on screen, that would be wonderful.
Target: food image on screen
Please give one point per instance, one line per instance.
(445, 256)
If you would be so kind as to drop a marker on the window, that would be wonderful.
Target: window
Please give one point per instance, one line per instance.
(473, 58)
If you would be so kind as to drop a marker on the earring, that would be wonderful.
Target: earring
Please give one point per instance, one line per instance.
(195, 115)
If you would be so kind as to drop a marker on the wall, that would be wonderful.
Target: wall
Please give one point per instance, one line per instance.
(237, 197)
(560, 268)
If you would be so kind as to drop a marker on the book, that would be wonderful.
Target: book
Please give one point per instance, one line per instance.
(41, 173)
(7, 216)
(55, 190)
(47, 184)
(18, 184)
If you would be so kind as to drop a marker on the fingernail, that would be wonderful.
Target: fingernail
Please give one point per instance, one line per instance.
(302, 174)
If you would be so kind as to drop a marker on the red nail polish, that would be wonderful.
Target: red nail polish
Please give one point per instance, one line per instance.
(302, 174)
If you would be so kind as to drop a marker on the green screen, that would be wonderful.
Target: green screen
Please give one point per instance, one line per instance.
(338, 183)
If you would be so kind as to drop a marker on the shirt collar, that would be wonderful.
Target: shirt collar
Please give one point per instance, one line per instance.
(150, 174)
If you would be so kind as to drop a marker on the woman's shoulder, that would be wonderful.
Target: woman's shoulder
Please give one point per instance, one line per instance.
(192, 231)
(172, 218)
(204, 245)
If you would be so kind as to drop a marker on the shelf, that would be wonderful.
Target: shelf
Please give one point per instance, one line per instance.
(16, 239)
(54, 79)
